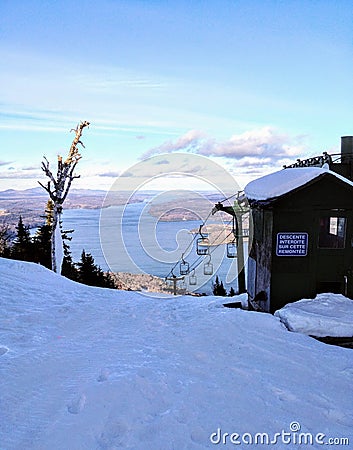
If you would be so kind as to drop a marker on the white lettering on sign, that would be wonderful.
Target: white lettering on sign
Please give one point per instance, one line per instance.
(292, 244)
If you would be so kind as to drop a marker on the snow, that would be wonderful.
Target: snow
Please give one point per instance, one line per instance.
(90, 368)
(284, 181)
(326, 315)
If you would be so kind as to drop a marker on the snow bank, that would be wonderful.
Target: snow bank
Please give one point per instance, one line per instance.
(85, 368)
(284, 181)
(326, 315)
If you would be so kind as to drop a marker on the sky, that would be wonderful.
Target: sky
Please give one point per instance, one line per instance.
(249, 85)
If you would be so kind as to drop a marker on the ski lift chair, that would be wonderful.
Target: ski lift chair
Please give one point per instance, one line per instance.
(192, 278)
(182, 284)
(184, 266)
(208, 267)
(202, 244)
(232, 251)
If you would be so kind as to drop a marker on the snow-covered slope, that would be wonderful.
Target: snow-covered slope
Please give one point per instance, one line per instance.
(89, 368)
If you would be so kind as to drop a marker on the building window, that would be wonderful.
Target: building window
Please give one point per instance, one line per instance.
(332, 232)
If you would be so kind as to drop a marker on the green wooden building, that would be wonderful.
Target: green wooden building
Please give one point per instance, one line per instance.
(302, 234)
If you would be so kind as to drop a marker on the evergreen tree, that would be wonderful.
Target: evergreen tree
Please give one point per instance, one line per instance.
(218, 288)
(22, 247)
(42, 242)
(87, 269)
(42, 238)
(68, 267)
(222, 291)
(215, 286)
(109, 281)
(49, 213)
(91, 274)
(231, 292)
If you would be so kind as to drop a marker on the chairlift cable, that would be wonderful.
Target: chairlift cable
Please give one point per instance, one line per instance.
(199, 260)
(216, 246)
(192, 241)
(231, 196)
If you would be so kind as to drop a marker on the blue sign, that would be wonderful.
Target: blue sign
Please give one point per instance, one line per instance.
(292, 244)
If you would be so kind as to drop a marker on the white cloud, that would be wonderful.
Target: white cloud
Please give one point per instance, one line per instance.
(19, 174)
(189, 141)
(261, 142)
(111, 174)
(261, 146)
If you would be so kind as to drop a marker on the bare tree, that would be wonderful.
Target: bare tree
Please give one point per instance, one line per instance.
(58, 187)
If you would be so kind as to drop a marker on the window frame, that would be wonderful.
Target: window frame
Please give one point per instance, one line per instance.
(335, 240)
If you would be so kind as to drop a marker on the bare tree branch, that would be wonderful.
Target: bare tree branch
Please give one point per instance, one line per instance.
(69, 178)
(47, 188)
(62, 182)
(46, 170)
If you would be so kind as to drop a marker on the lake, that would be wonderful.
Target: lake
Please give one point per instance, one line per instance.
(128, 239)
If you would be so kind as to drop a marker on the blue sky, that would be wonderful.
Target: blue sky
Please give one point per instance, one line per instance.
(249, 84)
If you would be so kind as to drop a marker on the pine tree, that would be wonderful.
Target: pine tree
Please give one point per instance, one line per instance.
(222, 291)
(22, 247)
(231, 292)
(91, 274)
(42, 243)
(215, 286)
(87, 269)
(68, 268)
(109, 281)
(49, 213)
(218, 288)
(42, 238)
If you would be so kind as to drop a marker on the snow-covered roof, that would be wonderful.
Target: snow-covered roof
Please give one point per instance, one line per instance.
(279, 183)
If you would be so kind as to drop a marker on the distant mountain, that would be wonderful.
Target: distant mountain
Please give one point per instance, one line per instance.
(40, 192)
(30, 204)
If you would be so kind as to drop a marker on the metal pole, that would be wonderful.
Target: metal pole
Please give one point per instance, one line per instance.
(237, 212)
(174, 279)
(240, 246)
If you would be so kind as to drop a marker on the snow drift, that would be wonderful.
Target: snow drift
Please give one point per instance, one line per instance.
(326, 315)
